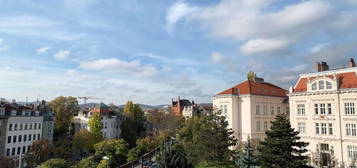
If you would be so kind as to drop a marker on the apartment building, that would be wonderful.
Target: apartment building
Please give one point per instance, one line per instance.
(250, 106)
(110, 121)
(322, 106)
(21, 125)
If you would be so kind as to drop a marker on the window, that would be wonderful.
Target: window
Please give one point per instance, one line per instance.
(321, 85)
(265, 110)
(317, 128)
(278, 110)
(265, 125)
(301, 109)
(20, 138)
(314, 86)
(26, 126)
(23, 149)
(25, 138)
(272, 110)
(323, 129)
(35, 126)
(330, 129)
(28, 148)
(34, 137)
(21, 126)
(316, 108)
(14, 139)
(38, 136)
(29, 137)
(349, 108)
(15, 128)
(30, 126)
(8, 152)
(322, 109)
(258, 126)
(9, 139)
(13, 151)
(351, 129)
(301, 127)
(257, 110)
(18, 150)
(329, 108)
(352, 152)
(328, 85)
(10, 127)
(39, 125)
(324, 147)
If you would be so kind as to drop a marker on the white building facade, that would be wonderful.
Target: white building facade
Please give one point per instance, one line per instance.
(110, 122)
(250, 106)
(322, 106)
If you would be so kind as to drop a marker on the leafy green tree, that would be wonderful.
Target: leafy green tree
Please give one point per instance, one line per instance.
(115, 149)
(89, 162)
(60, 148)
(39, 152)
(133, 126)
(103, 164)
(172, 157)
(162, 121)
(83, 142)
(282, 147)
(64, 109)
(247, 158)
(143, 146)
(54, 163)
(207, 138)
(95, 126)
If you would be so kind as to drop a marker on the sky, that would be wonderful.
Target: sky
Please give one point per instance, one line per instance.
(150, 51)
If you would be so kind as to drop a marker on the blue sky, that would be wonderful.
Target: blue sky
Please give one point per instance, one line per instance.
(150, 51)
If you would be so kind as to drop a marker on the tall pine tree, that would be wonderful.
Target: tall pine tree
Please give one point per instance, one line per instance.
(247, 158)
(282, 147)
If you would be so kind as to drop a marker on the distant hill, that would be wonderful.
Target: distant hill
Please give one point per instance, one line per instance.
(148, 107)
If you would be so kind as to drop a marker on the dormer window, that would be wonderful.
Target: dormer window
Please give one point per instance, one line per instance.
(328, 85)
(321, 84)
(314, 86)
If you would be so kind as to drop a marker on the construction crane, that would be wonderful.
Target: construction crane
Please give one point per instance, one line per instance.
(85, 98)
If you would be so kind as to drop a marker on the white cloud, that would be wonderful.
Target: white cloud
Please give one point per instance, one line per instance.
(263, 46)
(176, 12)
(3, 46)
(114, 65)
(254, 22)
(24, 25)
(217, 57)
(42, 50)
(318, 47)
(61, 54)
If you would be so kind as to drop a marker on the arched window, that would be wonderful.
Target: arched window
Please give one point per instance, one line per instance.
(328, 85)
(321, 85)
(314, 86)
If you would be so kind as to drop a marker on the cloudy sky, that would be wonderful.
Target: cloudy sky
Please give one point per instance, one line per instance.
(150, 51)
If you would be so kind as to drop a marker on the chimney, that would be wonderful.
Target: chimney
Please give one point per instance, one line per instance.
(351, 63)
(321, 66)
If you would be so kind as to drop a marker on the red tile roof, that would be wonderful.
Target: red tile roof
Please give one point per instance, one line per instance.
(346, 80)
(256, 88)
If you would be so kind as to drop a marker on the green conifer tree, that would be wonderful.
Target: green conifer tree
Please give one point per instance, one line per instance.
(247, 158)
(282, 147)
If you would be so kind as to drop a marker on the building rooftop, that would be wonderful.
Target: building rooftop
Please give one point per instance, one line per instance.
(255, 88)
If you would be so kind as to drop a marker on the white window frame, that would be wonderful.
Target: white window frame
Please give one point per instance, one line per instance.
(301, 109)
(351, 129)
(350, 108)
(352, 152)
(301, 127)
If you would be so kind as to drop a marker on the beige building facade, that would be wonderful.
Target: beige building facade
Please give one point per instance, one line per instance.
(322, 107)
(250, 106)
